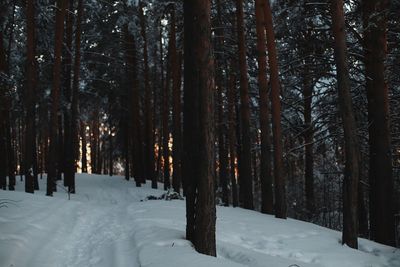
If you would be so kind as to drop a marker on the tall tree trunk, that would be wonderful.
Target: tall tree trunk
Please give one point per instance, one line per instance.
(165, 121)
(222, 148)
(10, 150)
(198, 134)
(382, 222)
(35, 156)
(280, 190)
(100, 156)
(110, 153)
(55, 97)
(232, 137)
(73, 149)
(60, 147)
(156, 87)
(149, 141)
(29, 99)
(94, 146)
(3, 158)
(84, 150)
(159, 102)
(245, 181)
(308, 140)
(8, 159)
(126, 148)
(135, 125)
(67, 94)
(3, 64)
(176, 107)
(351, 174)
(220, 84)
(265, 169)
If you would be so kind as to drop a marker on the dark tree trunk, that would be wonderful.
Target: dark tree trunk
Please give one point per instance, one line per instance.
(35, 156)
(165, 121)
(280, 187)
(265, 169)
(60, 148)
(100, 157)
(198, 138)
(239, 146)
(84, 144)
(7, 165)
(3, 158)
(29, 97)
(3, 162)
(156, 85)
(308, 134)
(55, 97)
(381, 184)
(351, 174)
(148, 110)
(10, 151)
(222, 150)
(126, 147)
(74, 147)
(362, 210)
(220, 83)
(94, 143)
(135, 125)
(161, 90)
(176, 108)
(110, 153)
(245, 181)
(67, 94)
(232, 137)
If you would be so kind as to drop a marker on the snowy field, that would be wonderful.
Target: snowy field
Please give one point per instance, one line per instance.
(107, 225)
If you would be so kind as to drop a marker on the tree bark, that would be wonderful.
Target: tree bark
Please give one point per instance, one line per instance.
(67, 94)
(382, 221)
(220, 84)
(265, 169)
(232, 137)
(74, 147)
(245, 179)
(134, 125)
(84, 144)
(94, 136)
(176, 107)
(351, 174)
(3, 162)
(198, 134)
(280, 187)
(29, 96)
(308, 133)
(165, 121)
(55, 97)
(10, 150)
(149, 141)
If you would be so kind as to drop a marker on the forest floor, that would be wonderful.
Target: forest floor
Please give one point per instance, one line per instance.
(109, 223)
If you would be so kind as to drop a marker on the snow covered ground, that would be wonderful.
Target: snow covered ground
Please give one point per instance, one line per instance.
(107, 225)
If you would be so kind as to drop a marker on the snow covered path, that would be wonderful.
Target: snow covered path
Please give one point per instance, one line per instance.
(107, 225)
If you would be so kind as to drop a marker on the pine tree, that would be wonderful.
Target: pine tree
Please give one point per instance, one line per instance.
(380, 167)
(198, 132)
(351, 173)
(280, 190)
(265, 171)
(55, 99)
(245, 178)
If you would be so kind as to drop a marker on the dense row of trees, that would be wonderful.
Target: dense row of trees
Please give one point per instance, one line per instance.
(290, 109)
